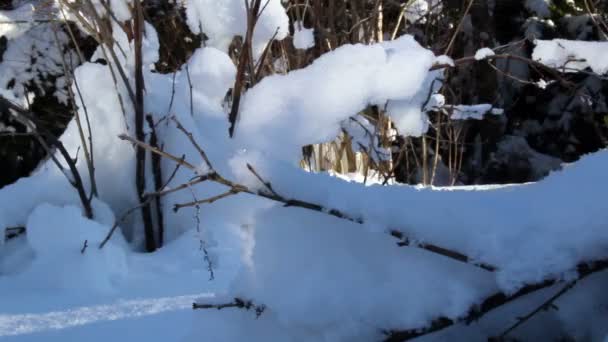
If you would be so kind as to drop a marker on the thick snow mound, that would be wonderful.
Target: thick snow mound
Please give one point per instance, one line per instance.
(58, 236)
(320, 273)
(213, 73)
(558, 222)
(337, 85)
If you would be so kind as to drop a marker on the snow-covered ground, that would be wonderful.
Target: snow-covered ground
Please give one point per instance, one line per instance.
(152, 302)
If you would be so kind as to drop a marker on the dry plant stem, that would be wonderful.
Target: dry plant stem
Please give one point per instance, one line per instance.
(105, 39)
(197, 306)
(138, 103)
(238, 303)
(400, 18)
(197, 217)
(158, 181)
(199, 149)
(405, 242)
(458, 28)
(181, 187)
(28, 119)
(245, 61)
(539, 66)
(425, 157)
(490, 303)
(87, 149)
(122, 218)
(287, 202)
(190, 88)
(261, 62)
(149, 197)
(601, 26)
(436, 157)
(209, 200)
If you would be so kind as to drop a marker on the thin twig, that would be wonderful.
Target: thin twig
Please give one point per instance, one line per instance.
(238, 303)
(546, 305)
(194, 143)
(209, 200)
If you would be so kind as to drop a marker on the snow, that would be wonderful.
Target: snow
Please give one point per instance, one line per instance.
(23, 14)
(214, 72)
(222, 20)
(483, 53)
(444, 60)
(572, 56)
(339, 84)
(476, 112)
(34, 324)
(303, 38)
(27, 42)
(494, 236)
(416, 10)
(319, 277)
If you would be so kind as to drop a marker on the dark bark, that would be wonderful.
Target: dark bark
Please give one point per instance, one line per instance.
(140, 170)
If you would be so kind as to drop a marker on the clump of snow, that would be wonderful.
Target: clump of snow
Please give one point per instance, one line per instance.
(444, 60)
(222, 20)
(303, 38)
(58, 235)
(408, 114)
(483, 53)
(416, 10)
(571, 55)
(477, 112)
(214, 73)
(338, 85)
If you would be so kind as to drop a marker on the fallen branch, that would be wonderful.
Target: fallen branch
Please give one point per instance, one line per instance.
(289, 202)
(405, 242)
(492, 302)
(546, 305)
(237, 303)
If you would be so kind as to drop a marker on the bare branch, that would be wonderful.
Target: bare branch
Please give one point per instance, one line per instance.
(289, 202)
(492, 302)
